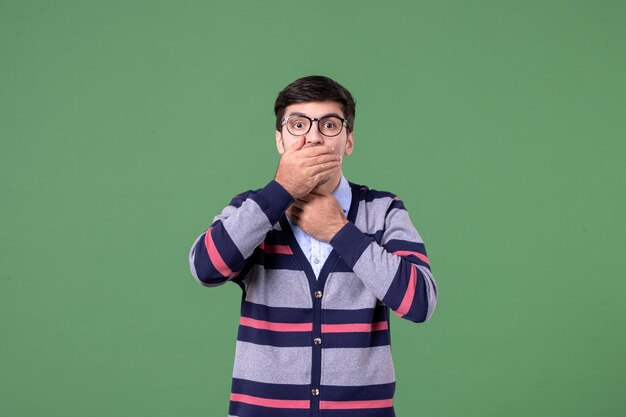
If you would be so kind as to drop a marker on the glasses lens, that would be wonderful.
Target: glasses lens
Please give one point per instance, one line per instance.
(298, 125)
(330, 126)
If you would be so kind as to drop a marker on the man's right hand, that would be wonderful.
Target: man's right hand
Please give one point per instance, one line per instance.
(301, 169)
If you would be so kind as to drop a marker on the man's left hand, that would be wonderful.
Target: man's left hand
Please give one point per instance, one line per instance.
(320, 216)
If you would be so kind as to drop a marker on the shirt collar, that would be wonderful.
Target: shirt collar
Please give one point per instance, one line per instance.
(343, 194)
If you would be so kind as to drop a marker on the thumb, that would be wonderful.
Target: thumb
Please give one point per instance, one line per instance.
(299, 144)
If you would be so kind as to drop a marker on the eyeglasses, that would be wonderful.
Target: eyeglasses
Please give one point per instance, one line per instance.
(329, 126)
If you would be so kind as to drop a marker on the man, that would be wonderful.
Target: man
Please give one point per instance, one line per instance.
(320, 262)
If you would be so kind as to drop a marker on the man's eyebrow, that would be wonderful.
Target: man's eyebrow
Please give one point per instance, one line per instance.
(296, 114)
(326, 115)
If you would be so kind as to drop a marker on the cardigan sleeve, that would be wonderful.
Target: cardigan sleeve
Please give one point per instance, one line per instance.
(397, 271)
(223, 251)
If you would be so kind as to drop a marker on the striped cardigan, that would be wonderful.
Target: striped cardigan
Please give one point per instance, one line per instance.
(310, 347)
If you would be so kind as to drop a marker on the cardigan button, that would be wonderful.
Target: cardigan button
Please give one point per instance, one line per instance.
(315, 392)
(318, 294)
(317, 341)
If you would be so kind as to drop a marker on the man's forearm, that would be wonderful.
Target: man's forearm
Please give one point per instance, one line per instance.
(403, 281)
(221, 252)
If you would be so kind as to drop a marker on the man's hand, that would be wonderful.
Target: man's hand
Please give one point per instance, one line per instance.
(320, 216)
(300, 170)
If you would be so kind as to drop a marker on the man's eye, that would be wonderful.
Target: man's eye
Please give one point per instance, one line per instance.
(297, 125)
(330, 125)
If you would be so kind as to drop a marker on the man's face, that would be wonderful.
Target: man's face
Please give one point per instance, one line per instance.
(342, 143)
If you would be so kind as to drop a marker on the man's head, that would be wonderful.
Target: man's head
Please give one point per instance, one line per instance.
(300, 106)
(314, 88)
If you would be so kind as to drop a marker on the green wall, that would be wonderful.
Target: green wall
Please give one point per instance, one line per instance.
(126, 126)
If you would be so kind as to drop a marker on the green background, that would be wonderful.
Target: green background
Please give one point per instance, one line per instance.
(126, 126)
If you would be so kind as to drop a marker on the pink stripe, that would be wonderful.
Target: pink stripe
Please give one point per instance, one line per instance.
(354, 327)
(351, 405)
(215, 257)
(268, 402)
(422, 257)
(409, 294)
(281, 249)
(276, 327)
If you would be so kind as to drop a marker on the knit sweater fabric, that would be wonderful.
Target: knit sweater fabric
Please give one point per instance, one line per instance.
(312, 346)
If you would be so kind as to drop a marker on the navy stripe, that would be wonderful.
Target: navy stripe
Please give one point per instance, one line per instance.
(276, 237)
(276, 314)
(274, 391)
(274, 260)
(357, 393)
(356, 340)
(368, 412)
(364, 315)
(248, 410)
(204, 267)
(397, 290)
(341, 266)
(271, 338)
(238, 200)
(378, 236)
(273, 199)
(305, 339)
(395, 204)
(397, 245)
(419, 308)
(226, 247)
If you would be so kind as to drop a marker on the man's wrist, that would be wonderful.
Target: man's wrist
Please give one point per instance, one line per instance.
(273, 200)
(350, 242)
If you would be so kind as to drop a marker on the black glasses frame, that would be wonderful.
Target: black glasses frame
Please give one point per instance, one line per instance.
(311, 120)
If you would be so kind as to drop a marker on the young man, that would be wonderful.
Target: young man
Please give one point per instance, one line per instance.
(321, 261)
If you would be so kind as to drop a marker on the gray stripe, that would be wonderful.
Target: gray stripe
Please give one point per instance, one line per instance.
(399, 226)
(246, 226)
(366, 366)
(431, 290)
(376, 268)
(278, 288)
(271, 364)
(345, 291)
(371, 215)
(192, 256)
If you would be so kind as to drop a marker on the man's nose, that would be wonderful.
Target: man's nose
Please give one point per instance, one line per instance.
(314, 136)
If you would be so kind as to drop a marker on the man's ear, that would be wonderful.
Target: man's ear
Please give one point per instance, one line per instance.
(279, 142)
(349, 143)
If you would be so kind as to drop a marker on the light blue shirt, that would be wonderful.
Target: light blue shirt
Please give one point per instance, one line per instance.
(316, 251)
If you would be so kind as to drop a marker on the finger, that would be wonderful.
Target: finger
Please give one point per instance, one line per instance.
(326, 167)
(297, 146)
(326, 174)
(317, 150)
(322, 159)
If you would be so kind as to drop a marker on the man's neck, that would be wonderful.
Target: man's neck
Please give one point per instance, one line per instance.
(329, 186)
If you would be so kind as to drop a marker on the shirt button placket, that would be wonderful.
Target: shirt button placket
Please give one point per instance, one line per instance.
(317, 354)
